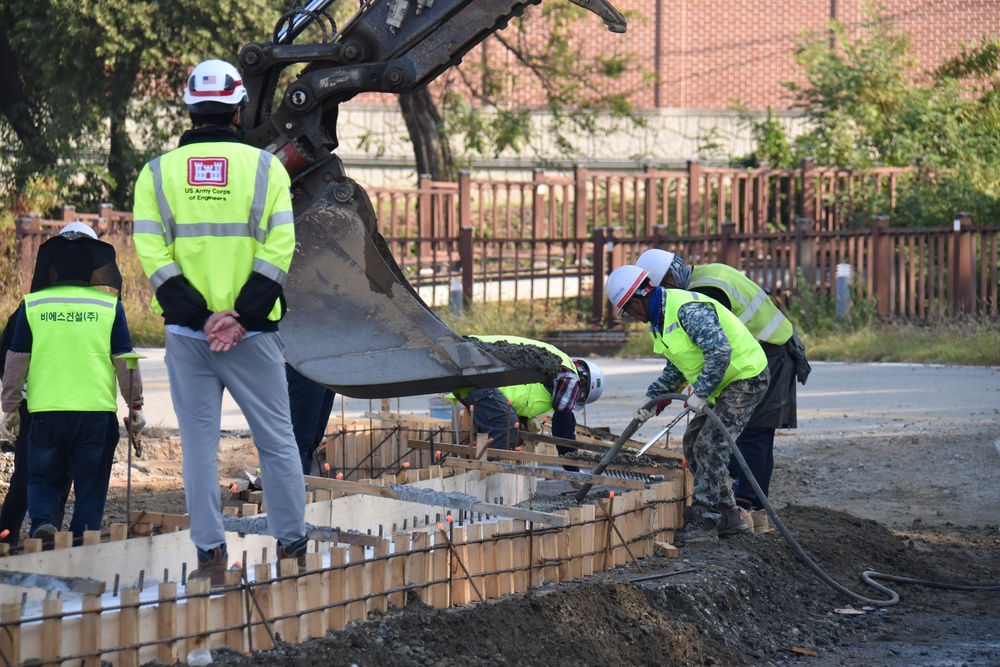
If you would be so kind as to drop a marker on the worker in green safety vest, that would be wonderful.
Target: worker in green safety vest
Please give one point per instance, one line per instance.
(499, 411)
(215, 233)
(64, 348)
(786, 359)
(707, 347)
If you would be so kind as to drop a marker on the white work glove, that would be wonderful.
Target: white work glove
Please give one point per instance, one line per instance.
(534, 425)
(12, 424)
(642, 415)
(696, 403)
(135, 426)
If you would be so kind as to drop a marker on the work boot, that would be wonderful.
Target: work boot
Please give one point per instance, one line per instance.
(697, 529)
(47, 534)
(212, 565)
(734, 522)
(296, 550)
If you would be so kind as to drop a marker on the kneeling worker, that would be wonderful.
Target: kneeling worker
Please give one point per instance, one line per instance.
(497, 411)
(707, 347)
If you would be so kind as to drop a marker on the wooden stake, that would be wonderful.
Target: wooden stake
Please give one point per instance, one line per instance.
(288, 597)
(505, 558)
(439, 597)
(10, 635)
(90, 629)
(128, 632)
(461, 593)
(397, 570)
(311, 590)
(51, 628)
(336, 589)
(356, 583)
(64, 540)
(587, 540)
(262, 609)
(196, 614)
(491, 583)
(418, 566)
(166, 622)
(234, 610)
(379, 578)
(475, 556)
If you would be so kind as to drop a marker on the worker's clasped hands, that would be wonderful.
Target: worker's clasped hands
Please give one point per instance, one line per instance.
(224, 330)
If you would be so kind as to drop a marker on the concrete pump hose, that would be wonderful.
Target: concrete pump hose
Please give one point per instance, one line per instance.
(867, 577)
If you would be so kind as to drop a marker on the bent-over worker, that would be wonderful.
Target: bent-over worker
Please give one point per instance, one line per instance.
(498, 411)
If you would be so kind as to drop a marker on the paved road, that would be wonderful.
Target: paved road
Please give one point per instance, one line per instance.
(839, 397)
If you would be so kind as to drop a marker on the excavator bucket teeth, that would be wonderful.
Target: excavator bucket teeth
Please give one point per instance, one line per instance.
(354, 322)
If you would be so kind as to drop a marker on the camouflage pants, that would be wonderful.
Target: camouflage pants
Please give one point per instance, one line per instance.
(706, 448)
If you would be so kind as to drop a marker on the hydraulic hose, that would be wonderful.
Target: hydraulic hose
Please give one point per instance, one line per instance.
(868, 576)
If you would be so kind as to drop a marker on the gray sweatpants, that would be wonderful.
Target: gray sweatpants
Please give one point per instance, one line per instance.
(254, 374)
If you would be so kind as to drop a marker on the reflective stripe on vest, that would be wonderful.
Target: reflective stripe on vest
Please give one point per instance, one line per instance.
(217, 252)
(70, 366)
(748, 301)
(747, 359)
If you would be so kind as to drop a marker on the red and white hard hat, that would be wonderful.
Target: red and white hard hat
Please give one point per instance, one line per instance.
(214, 86)
(657, 263)
(622, 285)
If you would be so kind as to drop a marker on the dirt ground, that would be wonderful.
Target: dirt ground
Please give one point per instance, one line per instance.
(922, 505)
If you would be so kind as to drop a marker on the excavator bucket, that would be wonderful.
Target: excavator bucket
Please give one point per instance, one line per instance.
(356, 325)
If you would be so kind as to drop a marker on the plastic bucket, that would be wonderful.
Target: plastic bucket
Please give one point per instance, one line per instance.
(440, 408)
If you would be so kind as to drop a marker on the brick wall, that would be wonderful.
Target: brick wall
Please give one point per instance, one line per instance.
(711, 53)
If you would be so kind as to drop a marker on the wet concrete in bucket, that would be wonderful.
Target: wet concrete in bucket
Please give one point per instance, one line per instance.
(522, 357)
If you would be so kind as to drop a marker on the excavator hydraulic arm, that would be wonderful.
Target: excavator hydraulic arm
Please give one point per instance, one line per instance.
(354, 322)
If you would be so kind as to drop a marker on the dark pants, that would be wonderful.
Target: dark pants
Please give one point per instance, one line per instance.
(65, 447)
(494, 416)
(756, 444)
(564, 426)
(15, 503)
(309, 405)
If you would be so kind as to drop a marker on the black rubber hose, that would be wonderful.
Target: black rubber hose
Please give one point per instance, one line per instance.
(868, 576)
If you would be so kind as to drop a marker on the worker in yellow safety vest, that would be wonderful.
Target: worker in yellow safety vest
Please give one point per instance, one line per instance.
(499, 411)
(214, 231)
(786, 359)
(64, 346)
(707, 347)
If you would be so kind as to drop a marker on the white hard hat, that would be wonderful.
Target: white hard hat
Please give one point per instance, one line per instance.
(622, 285)
(592, 377)
(78, 228)
(214, 86)
(657, 263)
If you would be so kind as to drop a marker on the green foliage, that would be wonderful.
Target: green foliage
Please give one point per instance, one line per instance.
(868, 105)
(583, 94)
(978, 344)
(87, 71)
(770, 141)
(815, 313)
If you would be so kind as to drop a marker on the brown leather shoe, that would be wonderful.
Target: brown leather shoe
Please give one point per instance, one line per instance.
(284, 553)
(214, 570)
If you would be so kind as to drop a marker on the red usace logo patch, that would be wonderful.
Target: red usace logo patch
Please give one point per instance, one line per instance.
(208, 171)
